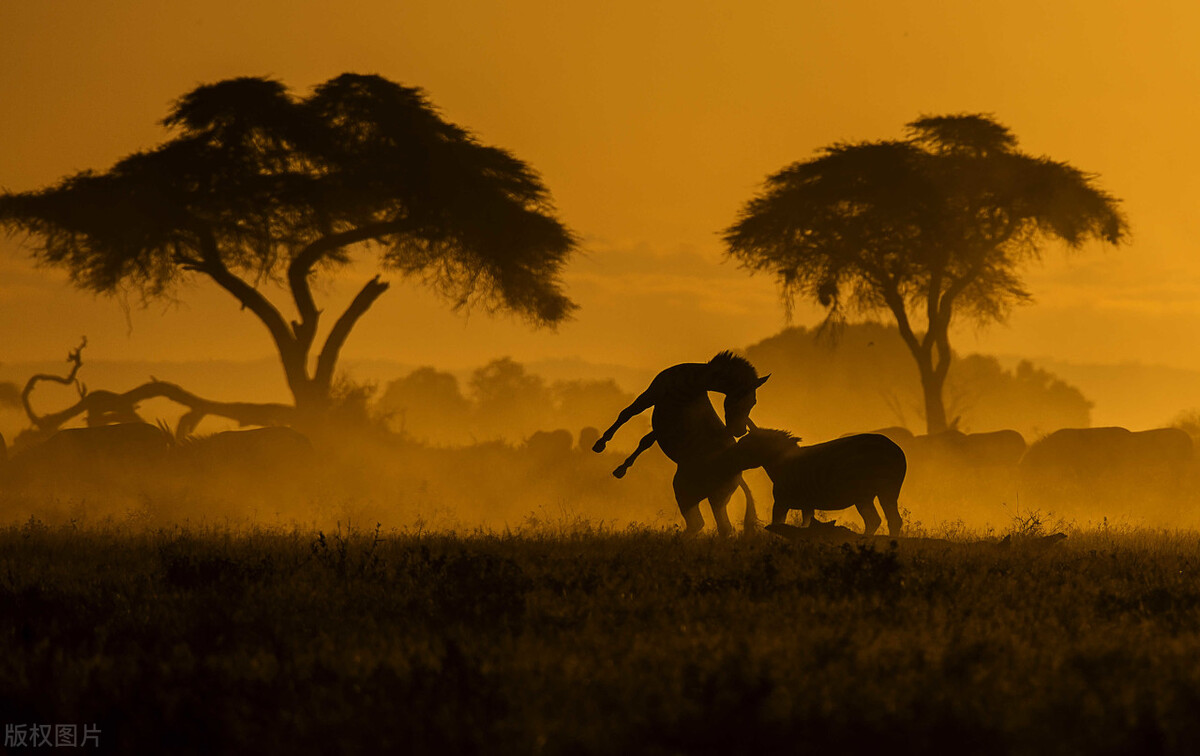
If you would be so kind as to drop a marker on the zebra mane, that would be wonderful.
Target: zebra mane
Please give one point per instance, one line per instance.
(734, 368)
(776, 436)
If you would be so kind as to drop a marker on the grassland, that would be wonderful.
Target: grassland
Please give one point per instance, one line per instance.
(573, 639)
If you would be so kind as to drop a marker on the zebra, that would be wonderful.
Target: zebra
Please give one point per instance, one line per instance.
(846, 472)
(689, 432)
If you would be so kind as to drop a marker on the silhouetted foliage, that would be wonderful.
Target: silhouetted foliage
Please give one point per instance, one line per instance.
(259, 185)
(428, 404)
(507, 396)
(1189, 422)
(926, 227)
(504, 400)
(864, 380)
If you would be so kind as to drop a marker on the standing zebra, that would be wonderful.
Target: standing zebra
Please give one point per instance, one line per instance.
(689, 431)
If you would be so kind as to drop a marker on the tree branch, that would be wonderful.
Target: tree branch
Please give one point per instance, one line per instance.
(327, 360)
(956, 287)
(301, 267)
(292, 356)
(104, 404)
(75, 357)
(251, 298)
(891, 295)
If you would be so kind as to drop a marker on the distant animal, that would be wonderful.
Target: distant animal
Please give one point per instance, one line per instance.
(689, 432)
(1170, 447)
(1107, 462)
(1003, 448)
(588, 436)
(96, 456)
(846, 472)
(548, 446)
(254, 453)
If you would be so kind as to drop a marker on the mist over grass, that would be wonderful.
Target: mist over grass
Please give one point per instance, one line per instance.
(388, 479)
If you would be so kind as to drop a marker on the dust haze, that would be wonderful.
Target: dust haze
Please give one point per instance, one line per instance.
(506, 447)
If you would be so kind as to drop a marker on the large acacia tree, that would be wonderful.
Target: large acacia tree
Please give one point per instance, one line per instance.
(925, 228)
(259, 186)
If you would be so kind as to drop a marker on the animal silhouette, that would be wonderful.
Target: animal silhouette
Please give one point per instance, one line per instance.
(1003, 448)
(255, 453)
(690, 433)
(91, 458)
(846, 472)
(1109, 466)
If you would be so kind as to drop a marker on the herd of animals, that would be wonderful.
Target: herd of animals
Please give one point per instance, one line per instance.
(858, 469)
(106, 457)
(1110, 466)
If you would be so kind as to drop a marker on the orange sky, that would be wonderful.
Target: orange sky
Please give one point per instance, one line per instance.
(651, 123)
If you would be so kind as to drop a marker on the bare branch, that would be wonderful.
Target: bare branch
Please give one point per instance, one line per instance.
(107, 405)
(302, 266)
(327, 360)
(75, 357)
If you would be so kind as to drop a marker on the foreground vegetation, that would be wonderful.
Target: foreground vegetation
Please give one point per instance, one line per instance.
(583, 640)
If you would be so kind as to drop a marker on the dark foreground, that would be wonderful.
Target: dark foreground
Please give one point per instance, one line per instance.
(599, 642)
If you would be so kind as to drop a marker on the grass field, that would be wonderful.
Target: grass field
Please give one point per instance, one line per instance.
(573, 639)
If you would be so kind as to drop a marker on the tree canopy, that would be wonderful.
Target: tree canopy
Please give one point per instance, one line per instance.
(937, 224)
(258, 184)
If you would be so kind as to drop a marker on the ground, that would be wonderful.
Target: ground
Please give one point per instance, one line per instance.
(573, 638)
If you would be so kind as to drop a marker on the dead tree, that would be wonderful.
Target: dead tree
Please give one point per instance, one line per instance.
(108, 407)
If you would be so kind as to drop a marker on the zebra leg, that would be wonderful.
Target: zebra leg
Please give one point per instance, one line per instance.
(724, 526)
(693, 518)
(689, 505)
(806, 517)
(779, 512)
(646, 442)
(640, 405)
(750, 521)
(719, 501)
(870, 516)
(891, 509)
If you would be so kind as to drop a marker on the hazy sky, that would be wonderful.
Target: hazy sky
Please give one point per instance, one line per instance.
(652, 123)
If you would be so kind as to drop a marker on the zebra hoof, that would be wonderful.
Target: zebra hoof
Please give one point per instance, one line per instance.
(599, 447)
(619, 472)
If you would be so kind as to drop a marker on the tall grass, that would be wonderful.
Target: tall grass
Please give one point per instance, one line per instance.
(563, 636)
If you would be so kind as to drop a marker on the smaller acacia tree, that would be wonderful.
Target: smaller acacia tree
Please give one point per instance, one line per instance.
(923, 228)
(259, 186)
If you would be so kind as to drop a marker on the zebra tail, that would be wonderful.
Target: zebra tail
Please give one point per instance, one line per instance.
(751, 519)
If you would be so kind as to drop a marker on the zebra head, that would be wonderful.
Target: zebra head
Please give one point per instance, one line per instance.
(738, 406)
(736, 378)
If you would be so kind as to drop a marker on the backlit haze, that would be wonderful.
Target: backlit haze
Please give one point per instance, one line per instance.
(651, 123)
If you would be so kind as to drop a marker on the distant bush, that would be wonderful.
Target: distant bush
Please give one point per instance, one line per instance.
(504, 401)
(861, 377)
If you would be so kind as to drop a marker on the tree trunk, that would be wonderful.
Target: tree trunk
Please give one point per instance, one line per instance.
(935, 408)
(310, 397)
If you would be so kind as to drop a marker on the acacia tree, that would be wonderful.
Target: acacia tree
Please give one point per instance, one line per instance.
(924, 228)
(259, 186)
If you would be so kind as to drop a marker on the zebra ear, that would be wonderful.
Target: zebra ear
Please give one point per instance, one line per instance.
(763, 380)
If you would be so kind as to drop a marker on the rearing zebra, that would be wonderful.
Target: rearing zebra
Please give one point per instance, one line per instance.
(689, 432)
